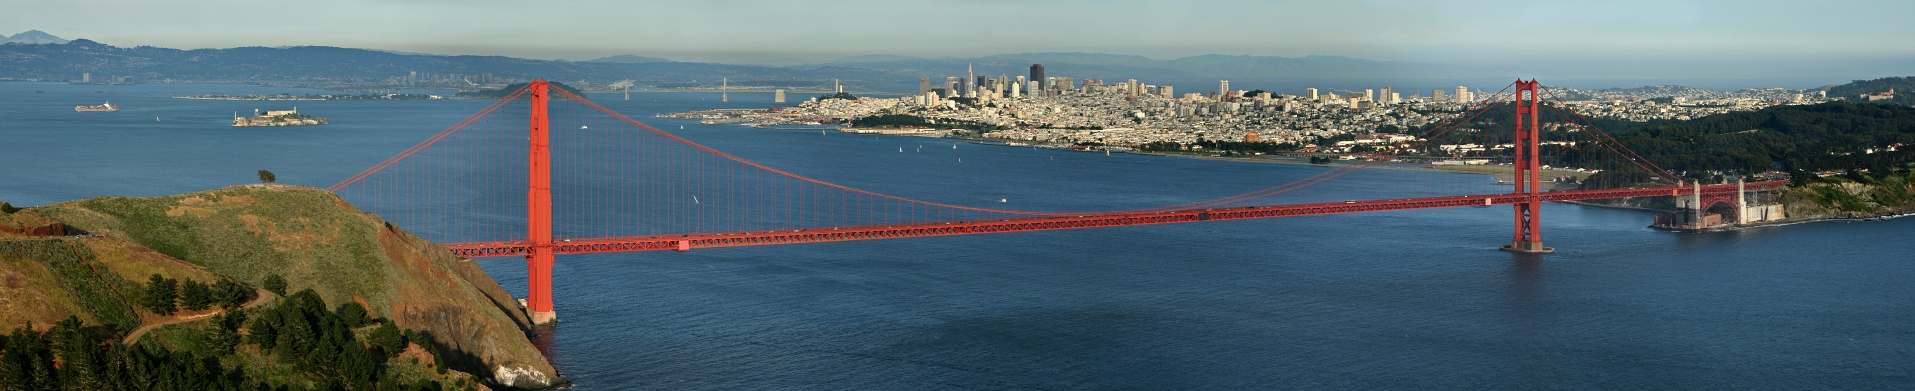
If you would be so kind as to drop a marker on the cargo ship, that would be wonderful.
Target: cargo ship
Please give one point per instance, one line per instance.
(101, 108)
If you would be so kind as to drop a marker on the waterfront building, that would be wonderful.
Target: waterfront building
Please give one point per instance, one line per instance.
(1311, 93)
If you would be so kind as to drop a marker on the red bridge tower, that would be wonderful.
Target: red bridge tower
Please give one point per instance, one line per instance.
(538, 209)
(1528, 164)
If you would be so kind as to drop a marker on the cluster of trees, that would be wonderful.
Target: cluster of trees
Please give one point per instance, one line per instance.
(69, 356)
(303, 332)
(1904, 90)
(907, 120)
(299, 331)
(840, 95)
(1220, 146)
(165, 296)
(1832, 136)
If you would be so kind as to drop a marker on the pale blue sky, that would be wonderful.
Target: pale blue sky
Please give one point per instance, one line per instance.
(1613, 38)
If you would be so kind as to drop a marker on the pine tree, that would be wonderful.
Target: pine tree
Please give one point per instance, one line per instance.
(195, 296)
(353, 314)
(160, 294)
(227, 294)
(80, 352)
(388, 338)
(275, 284)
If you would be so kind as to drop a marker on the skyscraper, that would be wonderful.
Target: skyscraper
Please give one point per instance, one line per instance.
(924, 85)
(1385, 96)
(1037, 79)
(1312, 92)
(970, 77)
(1462, 94)
(1223, 89)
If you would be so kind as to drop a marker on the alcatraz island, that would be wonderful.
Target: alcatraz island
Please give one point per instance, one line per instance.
(277, 118)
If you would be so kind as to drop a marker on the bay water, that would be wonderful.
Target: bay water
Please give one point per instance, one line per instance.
(1407, 299)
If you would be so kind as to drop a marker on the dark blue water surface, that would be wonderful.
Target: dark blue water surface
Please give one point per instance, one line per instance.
(1411, 299)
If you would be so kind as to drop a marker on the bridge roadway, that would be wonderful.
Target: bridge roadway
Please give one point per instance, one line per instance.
(686, 242)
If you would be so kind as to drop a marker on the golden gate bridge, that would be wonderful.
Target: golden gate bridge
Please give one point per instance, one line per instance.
(631, 187)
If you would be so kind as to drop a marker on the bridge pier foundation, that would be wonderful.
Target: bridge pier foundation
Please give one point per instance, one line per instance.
(1528, 248)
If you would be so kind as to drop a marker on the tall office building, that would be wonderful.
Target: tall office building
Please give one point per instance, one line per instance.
(1311, 92)
(1436, 96)
(1037, 78)
(969, 77)
(1223, 89)
(1462, 94)
(1167, 91)
(924, 85)
(1385, 96)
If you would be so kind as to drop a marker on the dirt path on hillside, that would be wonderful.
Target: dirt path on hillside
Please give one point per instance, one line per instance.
(135, 335)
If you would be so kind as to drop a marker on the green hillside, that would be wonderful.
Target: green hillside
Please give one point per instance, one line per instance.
(250, 233)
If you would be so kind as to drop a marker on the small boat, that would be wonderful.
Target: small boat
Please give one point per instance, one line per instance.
(1003, 200)
(681, 127)
(583, 127)
(156, 119)
(900, 149)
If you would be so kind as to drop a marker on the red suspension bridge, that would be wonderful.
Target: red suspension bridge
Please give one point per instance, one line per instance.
(627, 186)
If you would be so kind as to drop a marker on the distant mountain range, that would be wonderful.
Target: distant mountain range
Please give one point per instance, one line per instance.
(35, 55)
(32, 37)
(629, 59)
(1209, 66)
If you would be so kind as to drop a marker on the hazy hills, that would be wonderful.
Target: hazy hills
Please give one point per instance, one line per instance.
(324, 64)
(39, 56)
(32, 37)
(1209, 66)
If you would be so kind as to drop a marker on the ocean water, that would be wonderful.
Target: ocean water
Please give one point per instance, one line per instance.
(1408, 299)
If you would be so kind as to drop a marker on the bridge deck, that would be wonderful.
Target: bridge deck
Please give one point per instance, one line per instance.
(840, 234)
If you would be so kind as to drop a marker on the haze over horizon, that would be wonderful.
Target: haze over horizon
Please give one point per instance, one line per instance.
(1629, 39)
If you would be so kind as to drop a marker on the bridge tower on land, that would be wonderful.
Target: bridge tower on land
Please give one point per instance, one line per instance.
(1528, 165)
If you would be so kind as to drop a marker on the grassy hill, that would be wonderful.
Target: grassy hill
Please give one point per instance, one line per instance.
(247, 233)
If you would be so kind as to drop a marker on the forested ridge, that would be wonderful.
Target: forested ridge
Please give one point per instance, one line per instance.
(1833, 136)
